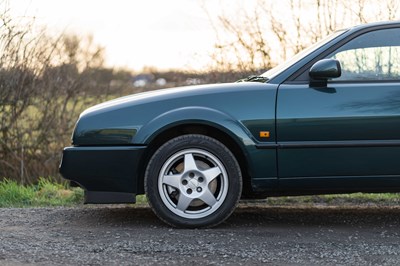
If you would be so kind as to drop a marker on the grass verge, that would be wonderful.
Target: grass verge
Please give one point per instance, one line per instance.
(49, 193)
(353, 199)
(44, 193)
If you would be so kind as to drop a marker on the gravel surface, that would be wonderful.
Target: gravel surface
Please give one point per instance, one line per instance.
(254, 235)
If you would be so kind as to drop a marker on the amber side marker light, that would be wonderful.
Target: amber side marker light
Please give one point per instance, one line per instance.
(264, 134)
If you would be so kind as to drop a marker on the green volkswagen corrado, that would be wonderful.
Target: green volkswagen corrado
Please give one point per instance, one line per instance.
(327, 121)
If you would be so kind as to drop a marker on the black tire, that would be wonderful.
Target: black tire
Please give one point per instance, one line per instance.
(193, 181)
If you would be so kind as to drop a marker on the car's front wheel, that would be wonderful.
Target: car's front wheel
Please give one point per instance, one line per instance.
(193, 181)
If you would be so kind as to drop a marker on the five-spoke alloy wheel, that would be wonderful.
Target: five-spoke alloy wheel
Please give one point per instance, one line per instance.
(193, 181)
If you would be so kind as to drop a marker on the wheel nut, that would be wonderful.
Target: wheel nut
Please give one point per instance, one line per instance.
(199, 189)
(189, 191)
(184, 182)
(191, 175)
(200, 179)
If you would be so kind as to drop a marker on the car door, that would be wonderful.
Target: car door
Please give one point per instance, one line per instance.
(346, 135)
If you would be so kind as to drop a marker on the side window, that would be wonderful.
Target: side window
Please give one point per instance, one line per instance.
(372, 56)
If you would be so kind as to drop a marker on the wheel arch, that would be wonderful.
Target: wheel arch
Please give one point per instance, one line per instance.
(206, 128)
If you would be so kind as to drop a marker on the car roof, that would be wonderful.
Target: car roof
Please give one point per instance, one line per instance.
(375, 24)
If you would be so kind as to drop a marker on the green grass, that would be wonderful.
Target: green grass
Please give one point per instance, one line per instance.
(45, 193)
(141, 199)
(384, 199)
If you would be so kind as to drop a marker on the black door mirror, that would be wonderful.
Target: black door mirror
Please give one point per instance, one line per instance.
(323, 70)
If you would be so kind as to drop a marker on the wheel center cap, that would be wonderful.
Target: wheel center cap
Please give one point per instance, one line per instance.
(193, 183)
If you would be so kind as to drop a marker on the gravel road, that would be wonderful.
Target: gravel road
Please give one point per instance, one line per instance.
(254, 235)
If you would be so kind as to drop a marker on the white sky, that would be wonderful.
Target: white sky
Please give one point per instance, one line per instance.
(136, 33)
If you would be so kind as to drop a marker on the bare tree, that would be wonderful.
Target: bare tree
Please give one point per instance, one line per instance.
(45, 82)
(278, 29)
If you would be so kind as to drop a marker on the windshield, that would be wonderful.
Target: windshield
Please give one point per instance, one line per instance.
(279, 68)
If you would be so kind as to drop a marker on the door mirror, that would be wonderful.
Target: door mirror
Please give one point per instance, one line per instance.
(323, 70)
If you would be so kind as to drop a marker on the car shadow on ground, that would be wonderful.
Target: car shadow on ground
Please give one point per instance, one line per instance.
(256, 216)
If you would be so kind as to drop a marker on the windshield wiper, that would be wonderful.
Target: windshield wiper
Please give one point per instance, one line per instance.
(254, 79)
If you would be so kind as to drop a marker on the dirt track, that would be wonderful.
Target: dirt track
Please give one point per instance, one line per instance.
(254, 235)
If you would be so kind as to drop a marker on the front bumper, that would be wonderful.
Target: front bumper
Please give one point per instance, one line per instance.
(109, 174)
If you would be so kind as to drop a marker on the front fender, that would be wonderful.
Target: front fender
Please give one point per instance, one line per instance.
(194, 115)
(261, 163)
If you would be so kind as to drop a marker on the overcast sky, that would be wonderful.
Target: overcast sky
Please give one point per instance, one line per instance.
(136, 33)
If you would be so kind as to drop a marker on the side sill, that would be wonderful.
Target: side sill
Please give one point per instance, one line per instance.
(105, 197)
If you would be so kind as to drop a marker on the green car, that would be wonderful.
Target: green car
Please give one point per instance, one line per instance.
(327, 121)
